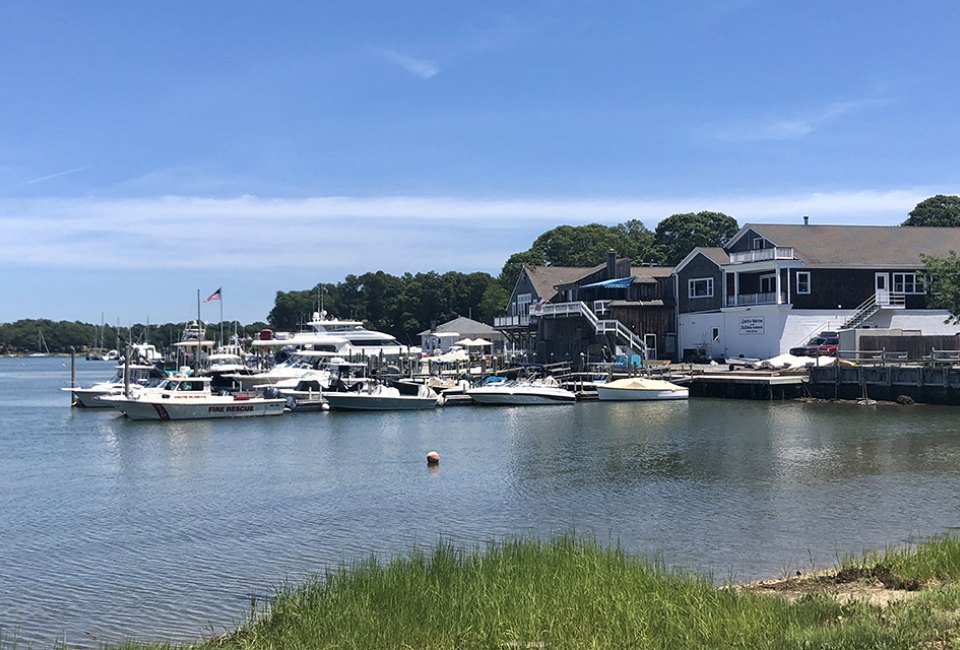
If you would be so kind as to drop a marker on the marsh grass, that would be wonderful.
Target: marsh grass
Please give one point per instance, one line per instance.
(564, 593)
(935, 560)
(575, 593)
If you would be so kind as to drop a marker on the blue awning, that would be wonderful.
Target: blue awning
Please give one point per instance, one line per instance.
(616, 283)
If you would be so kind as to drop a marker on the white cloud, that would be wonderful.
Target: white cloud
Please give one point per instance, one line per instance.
(423, 68)
(789, 128)
(397, 234)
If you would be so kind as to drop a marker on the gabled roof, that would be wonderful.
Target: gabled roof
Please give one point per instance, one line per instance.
(545, 278)
(462, 324)
(716, 255)
(865, 246)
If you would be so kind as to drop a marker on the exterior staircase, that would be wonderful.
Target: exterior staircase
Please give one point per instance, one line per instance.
(610, 326)
(871, 306)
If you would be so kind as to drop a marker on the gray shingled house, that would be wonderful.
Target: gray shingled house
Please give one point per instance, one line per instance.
(773, 286)
(560, 313)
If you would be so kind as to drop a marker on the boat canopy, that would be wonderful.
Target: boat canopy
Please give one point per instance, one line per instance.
(615, 283)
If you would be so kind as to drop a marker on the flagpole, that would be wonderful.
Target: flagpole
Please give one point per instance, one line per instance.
(221, 318)
(201, 329)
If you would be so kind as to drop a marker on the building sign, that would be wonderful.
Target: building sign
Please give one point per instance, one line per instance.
(752, 325)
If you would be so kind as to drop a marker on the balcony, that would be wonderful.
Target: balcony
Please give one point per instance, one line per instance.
(762, 255)
(511, 321)
(751, 299)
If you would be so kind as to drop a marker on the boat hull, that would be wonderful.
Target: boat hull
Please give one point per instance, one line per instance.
(635, 395)
(90, 397)
(159, 409)
(503, 397)
(362, 402)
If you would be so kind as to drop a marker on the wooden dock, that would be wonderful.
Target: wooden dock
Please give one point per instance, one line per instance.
(747, 384)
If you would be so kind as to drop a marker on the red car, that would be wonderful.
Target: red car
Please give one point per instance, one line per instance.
(826, 344)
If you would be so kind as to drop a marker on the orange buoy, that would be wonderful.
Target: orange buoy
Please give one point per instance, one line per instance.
(433, 458)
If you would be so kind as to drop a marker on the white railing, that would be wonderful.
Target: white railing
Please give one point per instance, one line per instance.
(762, 255)
(749, 299)
(511, 321)
(606, 326)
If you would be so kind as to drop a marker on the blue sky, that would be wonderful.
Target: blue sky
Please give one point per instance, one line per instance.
(152, 149)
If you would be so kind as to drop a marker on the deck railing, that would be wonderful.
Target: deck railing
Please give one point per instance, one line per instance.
(762, 255)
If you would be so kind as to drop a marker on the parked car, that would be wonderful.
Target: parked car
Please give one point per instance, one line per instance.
(824, 344)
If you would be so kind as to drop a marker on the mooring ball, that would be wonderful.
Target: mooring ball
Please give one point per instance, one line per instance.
(433, 458)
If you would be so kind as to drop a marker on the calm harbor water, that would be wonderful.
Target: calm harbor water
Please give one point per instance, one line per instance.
(114, 529)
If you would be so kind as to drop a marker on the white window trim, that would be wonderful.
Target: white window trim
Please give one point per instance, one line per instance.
(917, 283)
(693, 281)
(757, 243)
(772, 279)
(800, 282)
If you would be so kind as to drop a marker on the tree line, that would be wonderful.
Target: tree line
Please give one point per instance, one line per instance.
(410, 303)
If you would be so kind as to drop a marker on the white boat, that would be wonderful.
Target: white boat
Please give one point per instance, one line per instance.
(374, 396)
(640, 389)
(345, 338)
(287, 373)
(140, 375)
(190, 398)
(523, 392)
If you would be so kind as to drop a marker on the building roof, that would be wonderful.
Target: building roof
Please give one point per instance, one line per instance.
(462, 324)
(867, 246)
(716, 255)
(545, 278)
(647, 274)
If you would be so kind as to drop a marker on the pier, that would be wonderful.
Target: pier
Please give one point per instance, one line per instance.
(926, 384)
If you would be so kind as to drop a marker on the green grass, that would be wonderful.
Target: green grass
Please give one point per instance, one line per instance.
(572, 593)
(935, 560)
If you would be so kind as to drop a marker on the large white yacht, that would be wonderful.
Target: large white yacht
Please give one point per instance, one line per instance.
(345, 338)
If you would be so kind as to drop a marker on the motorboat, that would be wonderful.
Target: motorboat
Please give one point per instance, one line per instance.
(345, 338)
(375, 396)
(289, 371)
(191, 398)
(139, 375)
(453, 391)
(221, 367)
(545, 390)
(640, 389)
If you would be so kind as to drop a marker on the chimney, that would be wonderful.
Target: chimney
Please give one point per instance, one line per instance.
(611, 264)
(806, 220)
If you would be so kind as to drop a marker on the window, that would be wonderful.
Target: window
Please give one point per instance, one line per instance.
(803, 282)
(907, 283)
(700, 288)
(715, 334)
(757, 243)
(523, 304)
(768, 283)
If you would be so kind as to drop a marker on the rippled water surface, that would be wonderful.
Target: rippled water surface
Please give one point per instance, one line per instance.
(113, 529)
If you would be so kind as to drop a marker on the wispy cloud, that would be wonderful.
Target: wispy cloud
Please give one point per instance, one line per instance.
(789, 128)
(348, 234)
(40, 179)
(423, 68)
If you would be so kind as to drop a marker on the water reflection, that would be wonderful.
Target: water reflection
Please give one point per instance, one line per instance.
(161, 529)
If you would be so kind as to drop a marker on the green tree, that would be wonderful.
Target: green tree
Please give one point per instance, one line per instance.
(679, 234)
(515, 263)
(942, 280)
(939, 210)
